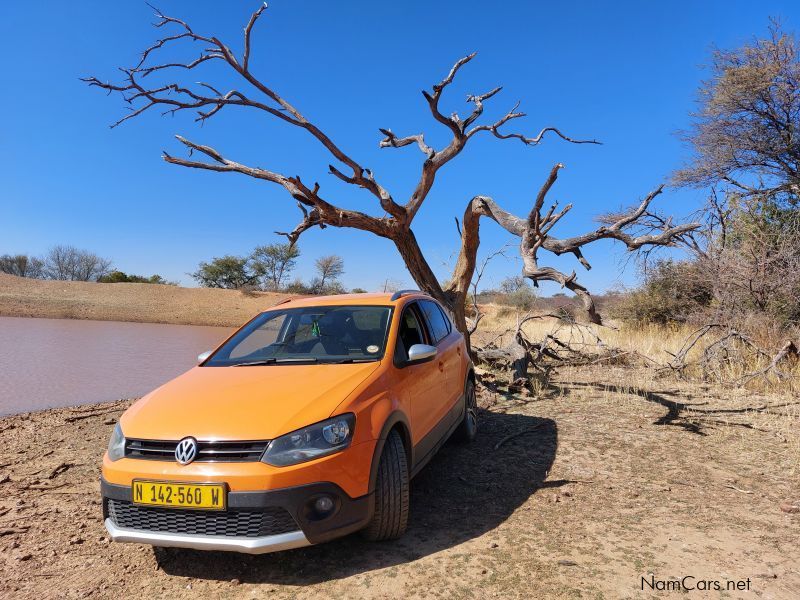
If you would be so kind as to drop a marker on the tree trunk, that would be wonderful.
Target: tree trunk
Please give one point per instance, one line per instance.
(454, 299)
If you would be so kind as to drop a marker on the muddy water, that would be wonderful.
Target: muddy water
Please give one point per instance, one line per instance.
(60, 362)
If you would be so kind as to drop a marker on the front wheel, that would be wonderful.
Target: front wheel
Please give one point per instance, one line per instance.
(468, 428)
(390, 518)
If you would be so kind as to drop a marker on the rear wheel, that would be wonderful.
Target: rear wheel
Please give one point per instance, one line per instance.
(468, 428)
(391, 493)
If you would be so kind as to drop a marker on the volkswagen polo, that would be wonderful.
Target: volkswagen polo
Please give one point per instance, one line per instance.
(305, 425)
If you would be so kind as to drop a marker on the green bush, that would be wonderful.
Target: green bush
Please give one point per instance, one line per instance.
(122, 277)
(673, 292)
(228, 272)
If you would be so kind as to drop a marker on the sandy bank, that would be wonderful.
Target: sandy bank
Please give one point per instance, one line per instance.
(136, 302)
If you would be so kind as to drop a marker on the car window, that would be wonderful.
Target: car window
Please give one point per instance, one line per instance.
(261, 337)
(409, 333)
(303, 327)
(447, 320)
(436, 320)
(310, 333)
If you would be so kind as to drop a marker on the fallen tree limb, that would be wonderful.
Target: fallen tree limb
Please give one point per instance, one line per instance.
(733, 487)
(78, 417)
(60, 469)
(788, 349)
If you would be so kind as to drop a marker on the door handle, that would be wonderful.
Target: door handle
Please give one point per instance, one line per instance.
(441, 365)
(458, 350)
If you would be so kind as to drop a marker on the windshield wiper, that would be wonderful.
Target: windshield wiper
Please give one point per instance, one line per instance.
(278, 361)
(297, 359)
(255, 363)
(351, 360)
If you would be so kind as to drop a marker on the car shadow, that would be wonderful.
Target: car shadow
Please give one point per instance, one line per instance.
(464, 492)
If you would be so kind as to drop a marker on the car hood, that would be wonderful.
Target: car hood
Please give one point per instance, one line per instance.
(243, 403)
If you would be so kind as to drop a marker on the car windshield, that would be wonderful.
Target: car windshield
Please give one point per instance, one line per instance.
(309, 334)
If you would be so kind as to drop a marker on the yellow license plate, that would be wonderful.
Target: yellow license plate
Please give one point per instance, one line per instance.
(208, 496)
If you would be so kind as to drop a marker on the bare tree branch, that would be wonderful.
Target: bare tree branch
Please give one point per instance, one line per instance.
(534, 234)
(178, 97)
(438, 158)
(310, 219)
(528, 141)
(391, 140)
(248, 30)
(433, 98)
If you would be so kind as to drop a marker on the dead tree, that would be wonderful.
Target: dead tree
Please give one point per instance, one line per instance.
(319, 210)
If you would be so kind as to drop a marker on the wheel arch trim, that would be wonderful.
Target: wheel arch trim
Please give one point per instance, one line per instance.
(395, 418)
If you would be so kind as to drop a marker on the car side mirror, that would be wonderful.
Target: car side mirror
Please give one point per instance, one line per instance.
(420, 353)
(202, 357)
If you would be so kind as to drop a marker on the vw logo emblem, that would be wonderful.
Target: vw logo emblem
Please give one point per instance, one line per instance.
(186, 450)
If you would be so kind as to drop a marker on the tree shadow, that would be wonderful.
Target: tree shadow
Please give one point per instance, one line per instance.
(686, 415)
(464, 492)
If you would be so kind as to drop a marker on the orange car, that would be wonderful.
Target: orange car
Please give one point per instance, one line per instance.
(305, 425)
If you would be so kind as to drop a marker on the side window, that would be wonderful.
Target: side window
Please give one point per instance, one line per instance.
(410, 333)
(436, 320)
(447, 320)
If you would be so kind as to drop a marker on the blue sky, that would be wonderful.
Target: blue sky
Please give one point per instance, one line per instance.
(625, 73)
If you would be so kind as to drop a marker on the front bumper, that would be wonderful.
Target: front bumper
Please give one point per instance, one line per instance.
(259, 545)
(255, 522)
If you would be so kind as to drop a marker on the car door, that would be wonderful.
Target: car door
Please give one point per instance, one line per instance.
(421, 383)
(449, 360)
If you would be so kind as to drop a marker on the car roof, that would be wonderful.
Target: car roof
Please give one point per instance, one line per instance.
(369, 299)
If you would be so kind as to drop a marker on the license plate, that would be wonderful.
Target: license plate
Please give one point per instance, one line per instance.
(208, 496)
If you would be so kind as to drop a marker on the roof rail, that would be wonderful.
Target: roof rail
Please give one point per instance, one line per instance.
(284, 301)
(400, 293)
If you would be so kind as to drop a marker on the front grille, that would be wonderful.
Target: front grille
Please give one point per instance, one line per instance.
(272, 520)
(206, 451)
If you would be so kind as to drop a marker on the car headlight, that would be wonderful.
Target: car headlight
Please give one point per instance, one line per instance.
(314, 441)
(116, 445)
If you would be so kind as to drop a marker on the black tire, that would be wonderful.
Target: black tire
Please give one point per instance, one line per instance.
(391, 493)
(468, 428)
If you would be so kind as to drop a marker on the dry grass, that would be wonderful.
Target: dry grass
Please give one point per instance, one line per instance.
(768, 405)
(656, 344)
(136, 302)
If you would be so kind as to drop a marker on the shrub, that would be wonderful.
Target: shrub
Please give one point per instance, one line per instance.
(273, 264)
(68, 263)
(298, 287)
(515, 292)
(228, 272)
(122, 277)
(673, 292)
(21, 265)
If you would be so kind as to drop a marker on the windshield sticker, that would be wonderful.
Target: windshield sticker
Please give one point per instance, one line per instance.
(372, 349)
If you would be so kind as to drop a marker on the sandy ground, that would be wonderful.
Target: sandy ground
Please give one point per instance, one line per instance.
(137, 302)
(603, 485)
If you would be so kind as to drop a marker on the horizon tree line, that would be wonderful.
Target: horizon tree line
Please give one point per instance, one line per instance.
(269, 268)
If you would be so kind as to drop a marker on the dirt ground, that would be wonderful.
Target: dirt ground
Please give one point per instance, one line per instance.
(602, 485)
(136, 302)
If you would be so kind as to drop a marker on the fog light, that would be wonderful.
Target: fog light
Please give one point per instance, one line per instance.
(323, 504)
